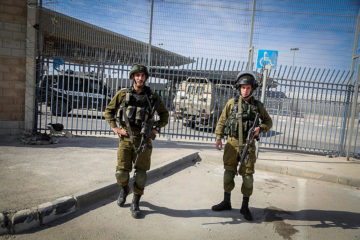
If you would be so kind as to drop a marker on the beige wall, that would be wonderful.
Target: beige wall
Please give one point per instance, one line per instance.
(13, 25)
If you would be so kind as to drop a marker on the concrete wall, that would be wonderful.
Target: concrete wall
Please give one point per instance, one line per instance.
(13, 62)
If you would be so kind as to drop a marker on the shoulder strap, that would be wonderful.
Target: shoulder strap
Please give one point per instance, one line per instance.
(235, 108)
(127, 95)
(240, 126)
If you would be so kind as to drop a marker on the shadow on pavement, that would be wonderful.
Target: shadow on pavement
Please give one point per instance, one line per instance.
(326, 218)
(323, 218)
(304, 161)
(235, 215)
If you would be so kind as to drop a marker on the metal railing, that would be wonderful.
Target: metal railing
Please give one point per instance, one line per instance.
(310, 108)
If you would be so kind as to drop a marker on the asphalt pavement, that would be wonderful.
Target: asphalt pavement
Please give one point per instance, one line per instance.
(42, 182)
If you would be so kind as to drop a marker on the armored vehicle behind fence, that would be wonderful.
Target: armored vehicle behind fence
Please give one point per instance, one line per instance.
(199, 102)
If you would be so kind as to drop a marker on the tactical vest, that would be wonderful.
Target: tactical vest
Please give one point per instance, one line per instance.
(247, 116)
(137, 107)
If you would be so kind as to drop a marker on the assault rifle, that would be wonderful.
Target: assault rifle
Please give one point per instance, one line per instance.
(146, 132)
(249, 139)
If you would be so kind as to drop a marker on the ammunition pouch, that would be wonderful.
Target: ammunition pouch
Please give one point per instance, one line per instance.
(231, 127)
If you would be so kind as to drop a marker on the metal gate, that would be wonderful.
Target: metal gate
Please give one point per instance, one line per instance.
(309, 107)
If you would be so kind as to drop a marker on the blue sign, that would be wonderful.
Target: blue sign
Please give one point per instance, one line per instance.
(267, 58)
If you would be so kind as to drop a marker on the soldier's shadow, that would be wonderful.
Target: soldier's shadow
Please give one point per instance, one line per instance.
(234, 215)
(312, 217)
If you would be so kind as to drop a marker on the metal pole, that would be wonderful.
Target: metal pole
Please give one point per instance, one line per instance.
(352, 72)
(38, 60)
(264, 84)
(293, 65)
(293, 62)
(150, 34)
(353, 109)
(263, 89)
(251, 48)
(355, 47)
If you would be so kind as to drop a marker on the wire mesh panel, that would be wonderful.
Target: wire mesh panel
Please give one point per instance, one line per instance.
(322, 31)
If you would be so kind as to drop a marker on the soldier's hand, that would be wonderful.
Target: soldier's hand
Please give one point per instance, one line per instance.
(256, 132)
(218, 144)
(154, 131)
(120, 131)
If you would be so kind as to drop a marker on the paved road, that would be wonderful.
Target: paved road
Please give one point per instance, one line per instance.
(178, 207)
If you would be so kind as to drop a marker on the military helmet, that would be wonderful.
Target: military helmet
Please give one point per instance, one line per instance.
(138, 68)
(246, 77)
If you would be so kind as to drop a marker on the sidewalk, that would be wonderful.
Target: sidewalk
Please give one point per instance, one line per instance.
(78, 171)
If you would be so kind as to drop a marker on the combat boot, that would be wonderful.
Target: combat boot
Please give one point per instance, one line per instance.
(224, 205)
(124, 191)
(134, 208)
(245, 209)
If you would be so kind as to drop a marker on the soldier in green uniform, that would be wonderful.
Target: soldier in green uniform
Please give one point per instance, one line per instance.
(235, 121)
(134, 106)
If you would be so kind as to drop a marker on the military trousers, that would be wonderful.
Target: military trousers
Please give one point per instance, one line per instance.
(231, 161)
(126, 156)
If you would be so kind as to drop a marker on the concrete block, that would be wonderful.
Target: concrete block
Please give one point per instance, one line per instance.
(10, 43)
(6, 34)
(354, 182)
(19, 85)
(18, 35)
(20, 3)
(23, 44)
(23, 28)
(46, 212)
(3, 224)
(24, 220)
(56, 209)
(18, 52)
(14, 27)
(7, 83)
(11, 124)
(4, 68)
(5, 51)
(14, 10)
(12, 76)
(13, 2)
(16, 132)
(12, 61)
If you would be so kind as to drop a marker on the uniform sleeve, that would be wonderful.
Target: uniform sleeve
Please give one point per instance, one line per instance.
(266, 122)
(112, 108)
(219, 130)
(162, 112)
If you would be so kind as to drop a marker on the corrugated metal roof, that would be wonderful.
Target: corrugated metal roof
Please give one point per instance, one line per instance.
(95, 43)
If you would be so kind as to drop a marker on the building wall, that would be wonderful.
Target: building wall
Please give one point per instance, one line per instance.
(13, 18)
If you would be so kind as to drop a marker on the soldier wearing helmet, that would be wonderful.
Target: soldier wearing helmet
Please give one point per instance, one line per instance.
(133, 106)
(235, 121)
